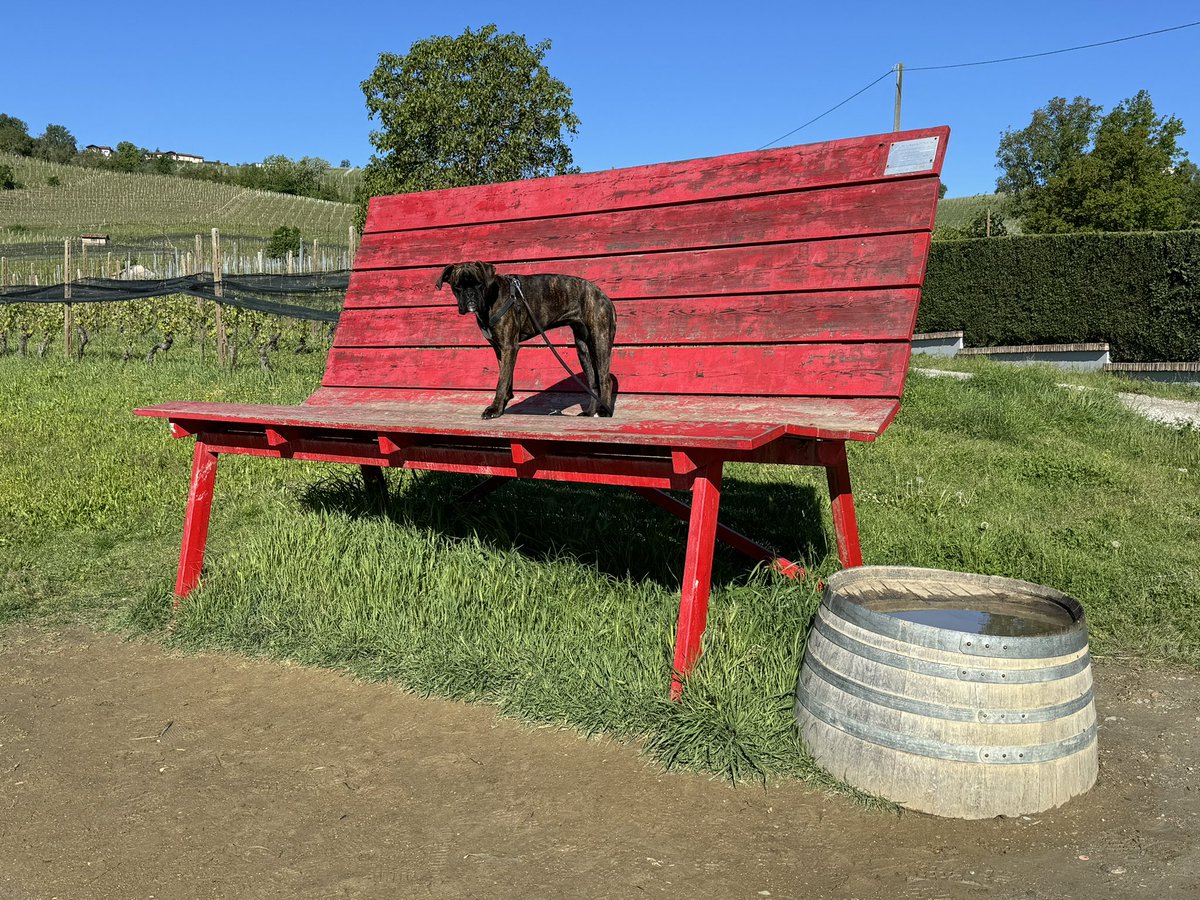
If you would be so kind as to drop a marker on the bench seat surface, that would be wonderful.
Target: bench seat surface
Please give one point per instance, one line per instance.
(706, 422)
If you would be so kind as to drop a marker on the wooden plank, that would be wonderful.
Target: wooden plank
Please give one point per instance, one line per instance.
(662, 184)
(829, 413)
(433, 419)
(778, 318)
(390, 412)
(856, 263)
(833, 212)
(826, 370)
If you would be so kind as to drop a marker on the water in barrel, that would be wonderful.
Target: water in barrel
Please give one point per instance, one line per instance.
(985, 612)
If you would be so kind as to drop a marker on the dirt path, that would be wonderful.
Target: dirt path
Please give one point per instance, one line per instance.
(277, 781)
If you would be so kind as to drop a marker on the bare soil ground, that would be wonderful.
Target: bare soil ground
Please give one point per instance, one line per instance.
(126, 771)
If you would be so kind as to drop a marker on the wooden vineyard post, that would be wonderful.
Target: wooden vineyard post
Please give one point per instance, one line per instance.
(312, 266)
(289, 262)
(195, 267)
(68, 315)
(3, 272)
(219, 314)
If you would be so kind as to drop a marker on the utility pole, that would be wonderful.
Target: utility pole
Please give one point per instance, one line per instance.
(899, 93)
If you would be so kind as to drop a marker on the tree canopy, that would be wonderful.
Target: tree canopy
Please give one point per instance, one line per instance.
(14, 136)
(473, 109)
(56, 144)
(1074, 169)
(283, 239)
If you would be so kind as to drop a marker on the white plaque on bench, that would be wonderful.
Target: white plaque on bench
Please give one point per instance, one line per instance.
(905, 157)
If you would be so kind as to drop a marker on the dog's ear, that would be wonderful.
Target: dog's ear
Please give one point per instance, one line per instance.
(445, 276)
(489, 271)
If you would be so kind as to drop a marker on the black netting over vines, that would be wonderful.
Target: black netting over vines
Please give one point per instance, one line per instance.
(317, 296)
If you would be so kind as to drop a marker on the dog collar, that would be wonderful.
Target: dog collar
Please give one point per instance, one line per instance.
(496, 315)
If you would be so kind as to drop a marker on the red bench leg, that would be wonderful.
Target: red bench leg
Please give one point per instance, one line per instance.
(195, 522)
(845, 522)
(697, 572)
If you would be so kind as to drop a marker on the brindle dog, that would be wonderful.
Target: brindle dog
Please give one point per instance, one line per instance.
(554, 300)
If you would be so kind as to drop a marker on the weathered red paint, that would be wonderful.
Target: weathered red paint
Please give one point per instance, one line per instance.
(806, 215)
(803, 167)
(837, 264)
(779, 370)
(765, 304)
(873, 315)
(196, 518)
(845, 522)
(697, 573)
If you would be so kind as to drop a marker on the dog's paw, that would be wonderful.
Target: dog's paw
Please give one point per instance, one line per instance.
(492, 413)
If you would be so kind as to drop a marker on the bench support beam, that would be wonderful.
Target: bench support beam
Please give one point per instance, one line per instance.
(195, 521)
(845, 522)
(697, 573)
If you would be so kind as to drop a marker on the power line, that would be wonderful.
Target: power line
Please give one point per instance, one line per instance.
(989, 62)
(985, 62)
(828, 111)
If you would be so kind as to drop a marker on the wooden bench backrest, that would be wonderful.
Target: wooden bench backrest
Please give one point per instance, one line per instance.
(792, 272)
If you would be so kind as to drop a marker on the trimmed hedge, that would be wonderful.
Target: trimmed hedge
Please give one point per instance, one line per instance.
(1139, 292)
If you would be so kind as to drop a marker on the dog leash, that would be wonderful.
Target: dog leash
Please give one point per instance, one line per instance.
(520, 294)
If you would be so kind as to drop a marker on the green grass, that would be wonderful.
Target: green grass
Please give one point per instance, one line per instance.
(1101, 381)
(557, 603)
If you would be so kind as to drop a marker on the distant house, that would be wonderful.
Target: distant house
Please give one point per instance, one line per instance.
(96, 148)
(94, 240)
(177, 157)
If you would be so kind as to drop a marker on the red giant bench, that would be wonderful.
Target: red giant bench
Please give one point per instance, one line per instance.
(765, 307)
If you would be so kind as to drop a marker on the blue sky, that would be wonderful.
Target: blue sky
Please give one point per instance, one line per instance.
(651, 81)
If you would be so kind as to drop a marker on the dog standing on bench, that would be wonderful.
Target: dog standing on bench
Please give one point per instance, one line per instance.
(503, 306)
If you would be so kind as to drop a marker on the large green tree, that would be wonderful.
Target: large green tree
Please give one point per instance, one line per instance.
(56, 144)
(127, 158)
(473, 109)
(1126, 181)
(14, 136)
(1058, 133)
(1073, 169)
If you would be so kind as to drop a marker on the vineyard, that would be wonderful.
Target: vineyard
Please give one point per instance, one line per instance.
(54, 202)
(139, 330)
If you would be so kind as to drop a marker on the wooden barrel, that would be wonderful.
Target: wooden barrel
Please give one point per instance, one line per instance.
(959, 695)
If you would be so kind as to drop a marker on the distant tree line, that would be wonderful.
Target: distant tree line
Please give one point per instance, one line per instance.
(302, 177)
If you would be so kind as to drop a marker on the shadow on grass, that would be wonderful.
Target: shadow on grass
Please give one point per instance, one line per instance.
(616, 531)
